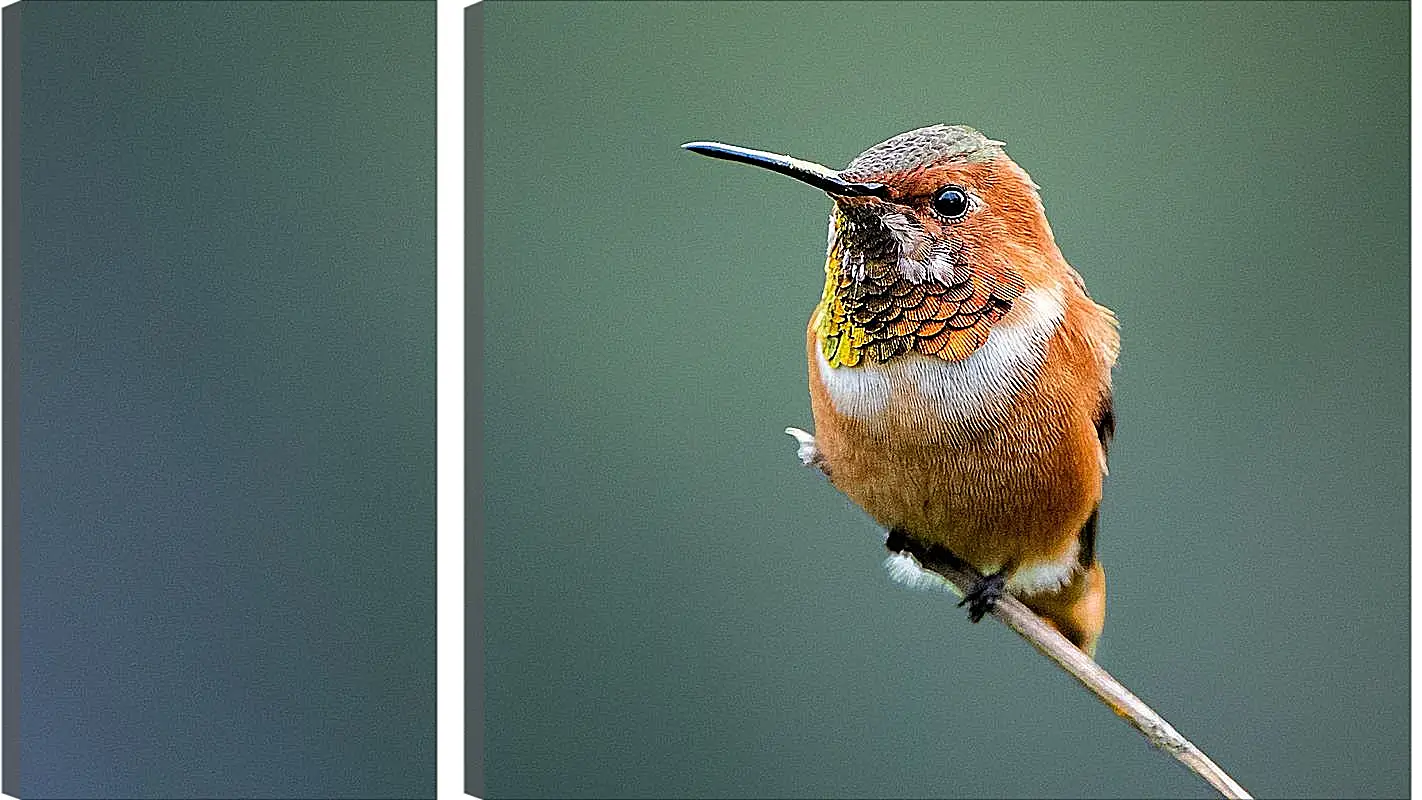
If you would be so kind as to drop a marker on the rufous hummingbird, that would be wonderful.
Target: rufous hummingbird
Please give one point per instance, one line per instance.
(960, 375)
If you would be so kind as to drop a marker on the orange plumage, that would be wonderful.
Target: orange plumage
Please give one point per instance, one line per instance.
(959, 373)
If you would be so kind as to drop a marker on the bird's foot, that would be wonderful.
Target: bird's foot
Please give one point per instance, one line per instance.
(983, 595)
(896, 541)
(808, 453)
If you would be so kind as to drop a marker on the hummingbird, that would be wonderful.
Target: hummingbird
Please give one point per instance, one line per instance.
(959, 373)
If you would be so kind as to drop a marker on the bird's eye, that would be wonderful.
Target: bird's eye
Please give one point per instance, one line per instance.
(951, 202)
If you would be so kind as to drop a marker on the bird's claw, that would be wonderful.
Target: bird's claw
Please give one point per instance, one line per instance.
(983, 595)
(896, 541)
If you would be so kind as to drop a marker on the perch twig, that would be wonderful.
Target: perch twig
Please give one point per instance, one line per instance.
(1079, 665)
(1017, 616)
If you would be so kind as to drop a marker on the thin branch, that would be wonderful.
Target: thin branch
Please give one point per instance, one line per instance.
(1053, 645)
(1079, 665)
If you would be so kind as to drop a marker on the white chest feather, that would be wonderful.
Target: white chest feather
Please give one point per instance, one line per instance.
(962, 393)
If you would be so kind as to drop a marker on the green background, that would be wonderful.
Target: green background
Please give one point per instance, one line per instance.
(674, 607)
(227, 363)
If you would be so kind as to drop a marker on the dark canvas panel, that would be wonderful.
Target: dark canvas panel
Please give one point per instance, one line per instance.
(220, 355)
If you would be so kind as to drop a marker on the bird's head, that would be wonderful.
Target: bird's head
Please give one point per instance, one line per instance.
(936, 225)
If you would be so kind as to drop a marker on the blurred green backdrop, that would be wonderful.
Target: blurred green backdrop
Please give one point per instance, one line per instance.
(227, 410)
(674, 607)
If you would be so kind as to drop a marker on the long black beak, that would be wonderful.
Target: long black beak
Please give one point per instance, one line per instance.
(817, 175)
